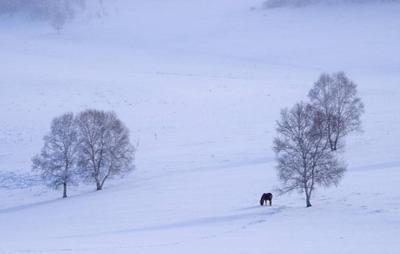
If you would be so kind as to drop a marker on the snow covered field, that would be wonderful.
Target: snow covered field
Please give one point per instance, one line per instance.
(200, 85)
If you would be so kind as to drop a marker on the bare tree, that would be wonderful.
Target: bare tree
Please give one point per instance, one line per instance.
(303, 153)
(57, 160)
(105, 148)
(335, 96)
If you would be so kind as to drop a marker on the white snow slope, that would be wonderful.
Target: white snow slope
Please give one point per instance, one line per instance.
(200, 84)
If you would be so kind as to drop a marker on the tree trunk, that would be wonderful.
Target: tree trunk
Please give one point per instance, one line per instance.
(335, 143)
(331, 134)
(64, 190)
(308, 199)
(332, 144)
(103, 181)
(98, 186)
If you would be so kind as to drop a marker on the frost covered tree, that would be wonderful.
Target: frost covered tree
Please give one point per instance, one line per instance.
(104, 146)
(57, 160)
(59, 13)
(9, 6)
(335, 96)
(56, 12)
(304, 157)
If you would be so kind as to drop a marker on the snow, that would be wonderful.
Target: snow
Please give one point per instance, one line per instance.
(200, 85)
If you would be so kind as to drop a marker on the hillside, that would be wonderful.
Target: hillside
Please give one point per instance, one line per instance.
(200, 85)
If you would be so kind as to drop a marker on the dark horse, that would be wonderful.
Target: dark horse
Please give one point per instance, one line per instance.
(265, 198)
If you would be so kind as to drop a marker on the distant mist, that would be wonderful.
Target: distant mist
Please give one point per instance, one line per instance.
(269, 4)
